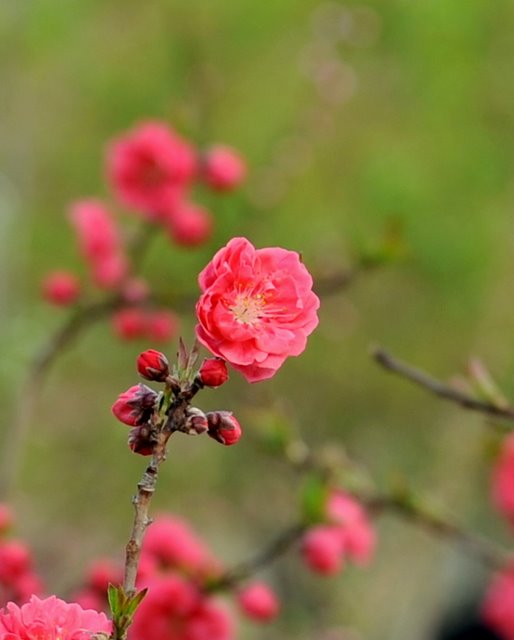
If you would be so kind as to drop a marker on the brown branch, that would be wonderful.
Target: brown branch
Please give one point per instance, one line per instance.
(440, 389)
(145, 490)
(268, 554)
(478, 546)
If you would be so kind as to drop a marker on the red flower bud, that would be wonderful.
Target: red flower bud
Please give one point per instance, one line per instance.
(196, 422)
(140, 440)
(153, 365)
(223, 427)
(258, 602)
(135, 406)
(61, 288)
(213, 372)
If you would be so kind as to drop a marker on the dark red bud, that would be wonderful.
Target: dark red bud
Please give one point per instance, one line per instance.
(153, 365)
(223, 427)
(135, 406)
(141, 441)
(213, 372)
(196, 422)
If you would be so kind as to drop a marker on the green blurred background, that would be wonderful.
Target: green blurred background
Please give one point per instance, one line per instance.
(352, 116)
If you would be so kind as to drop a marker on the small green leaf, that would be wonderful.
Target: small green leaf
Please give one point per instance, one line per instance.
(314, 499)
(134, 603)
(116, 597)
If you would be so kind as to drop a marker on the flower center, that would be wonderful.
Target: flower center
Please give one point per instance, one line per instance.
(248, 309)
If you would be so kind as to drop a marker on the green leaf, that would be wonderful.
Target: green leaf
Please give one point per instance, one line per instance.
(134, 603)
(314, 499)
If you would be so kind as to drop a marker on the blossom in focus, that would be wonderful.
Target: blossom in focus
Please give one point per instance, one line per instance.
(150, 167)
(174, 609)
(498, 604)
(61, 288)
(223, 168)
(258, 602)
(51, 619)
(502, 488)
(257, 307)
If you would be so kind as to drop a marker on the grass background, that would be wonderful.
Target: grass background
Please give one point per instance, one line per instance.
(351, 116)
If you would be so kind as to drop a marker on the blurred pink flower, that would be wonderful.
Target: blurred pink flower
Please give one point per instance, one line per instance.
(224, 168)
(174, 545)
(161, 325)
(257, 307)
(258, 602)
(174, 609)
(503, 480)
(150, 167)
(50, 619)
(61, 288)
(498, 604)
(189, 225)
(99, 242)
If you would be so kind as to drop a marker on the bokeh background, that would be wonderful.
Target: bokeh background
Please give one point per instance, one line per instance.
(355, 117)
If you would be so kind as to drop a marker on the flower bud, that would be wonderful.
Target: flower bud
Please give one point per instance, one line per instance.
(323, 549)
(61, 288)
(153, 365)
(213, 372)
(135, 406)
(141, 440)
(258, 602)
(224, 168)
(196, 422)
(223, 427)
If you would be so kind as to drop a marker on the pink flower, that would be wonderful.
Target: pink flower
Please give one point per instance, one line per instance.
(99, 242)
(174, 545)
(161, 326)
(357, 533)
(174, 609)
(257, 307)
(503, 480)
(97, 234)
(51, 619)
(61, 288)
(190, 225)
(258, 602)
(224, 168)
(129, 323)
(149, 168)
(322, 550)
(15, 560)
(498, 605)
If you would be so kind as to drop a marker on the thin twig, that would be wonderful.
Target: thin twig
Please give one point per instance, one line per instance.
(438, 388)
(477, 546)
(271, 552)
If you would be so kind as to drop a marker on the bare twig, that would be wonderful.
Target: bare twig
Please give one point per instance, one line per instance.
(440, 389)
(271, 552)
(477, 546)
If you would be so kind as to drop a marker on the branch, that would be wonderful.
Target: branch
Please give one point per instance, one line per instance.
(440, 389)
(477, 546)
(268, 554)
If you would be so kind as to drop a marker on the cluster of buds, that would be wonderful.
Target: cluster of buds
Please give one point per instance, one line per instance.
(151, 171)
(154, 416)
